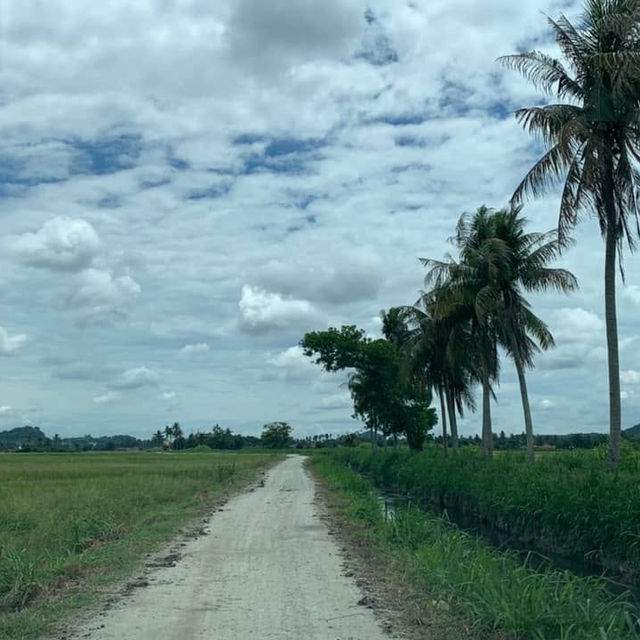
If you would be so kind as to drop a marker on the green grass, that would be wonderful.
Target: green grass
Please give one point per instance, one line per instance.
(70, 524)
(491, 589)
(567, 504)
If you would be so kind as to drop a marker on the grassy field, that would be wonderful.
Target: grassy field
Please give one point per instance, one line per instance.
(568, 504)
(70, 524)
(494, 591)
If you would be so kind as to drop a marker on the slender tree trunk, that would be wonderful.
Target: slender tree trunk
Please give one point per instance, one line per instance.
(443, 415)
(453, 421)
(528, 423)
(615, 409)
(487, 435)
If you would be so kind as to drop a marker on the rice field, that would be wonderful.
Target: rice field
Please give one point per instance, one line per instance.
(72, 523)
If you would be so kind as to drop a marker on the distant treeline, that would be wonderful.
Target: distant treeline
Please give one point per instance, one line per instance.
(33, 439)
(512, 441)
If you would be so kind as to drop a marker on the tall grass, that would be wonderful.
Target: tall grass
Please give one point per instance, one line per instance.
(72, 520)
(493, 589)
(568, 503)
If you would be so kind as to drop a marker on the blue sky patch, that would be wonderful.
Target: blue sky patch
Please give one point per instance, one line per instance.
(108, 155)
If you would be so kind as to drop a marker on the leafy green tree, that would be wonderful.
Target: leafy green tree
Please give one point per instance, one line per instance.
(593, 141)
(276, 435)
(384, 398)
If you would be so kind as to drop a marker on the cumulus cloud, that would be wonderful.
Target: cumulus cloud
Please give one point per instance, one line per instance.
(263, 311)
(336, 281)
(632, 293)
(192, 349)
(577, 324)
(136, 378)
(336, 401)
(107, 397)
(630, 377)
(285, 32)
(65, 244)
(98, 293)
(9, 343)
(293, 366)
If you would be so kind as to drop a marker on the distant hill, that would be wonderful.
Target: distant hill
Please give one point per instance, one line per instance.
(19, 436)
(34, 439)
(632, 432)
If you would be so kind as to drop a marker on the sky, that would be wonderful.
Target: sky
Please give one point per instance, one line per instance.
(187, 187)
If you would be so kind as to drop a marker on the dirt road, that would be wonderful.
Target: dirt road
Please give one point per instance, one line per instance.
(268, 569)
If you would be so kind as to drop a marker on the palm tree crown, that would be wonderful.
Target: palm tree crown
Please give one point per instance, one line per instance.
(593, 140)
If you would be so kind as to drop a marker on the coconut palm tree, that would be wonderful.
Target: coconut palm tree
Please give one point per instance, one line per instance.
(525, 269)
(463, 294)
(593, 140)
(437, 351)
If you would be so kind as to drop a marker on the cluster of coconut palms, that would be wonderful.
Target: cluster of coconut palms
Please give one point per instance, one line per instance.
(592, 135)
(476, 304)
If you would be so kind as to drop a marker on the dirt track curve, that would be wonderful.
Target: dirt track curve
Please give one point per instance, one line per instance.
(268, 569)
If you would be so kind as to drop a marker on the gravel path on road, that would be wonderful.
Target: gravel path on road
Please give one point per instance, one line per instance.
(267, 569)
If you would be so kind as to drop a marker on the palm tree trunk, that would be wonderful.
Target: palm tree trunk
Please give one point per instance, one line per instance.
(528, 423)
(453, 421)
(615, 409)
(487, 435)
(443, 414)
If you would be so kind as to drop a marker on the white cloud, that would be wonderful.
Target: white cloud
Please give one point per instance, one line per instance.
(282, 33)
(191, 349)
(293, 366)
(169, 395)
(630, 377)
(98, 293)
(9, 344)
(632, 293)
(5, 408)
(264, 311)
(336, 401)
(342, 280)
(107, 397)
(136, 378)
(61, 243)
(577, 324)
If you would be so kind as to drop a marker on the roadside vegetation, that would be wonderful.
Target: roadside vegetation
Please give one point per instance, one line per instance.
(71, 524)
(452, 571)
(567, 505)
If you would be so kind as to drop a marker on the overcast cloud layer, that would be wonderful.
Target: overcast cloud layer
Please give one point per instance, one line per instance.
(187, 186)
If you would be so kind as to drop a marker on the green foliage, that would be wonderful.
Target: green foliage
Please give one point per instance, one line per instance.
(567, 504)
(276, 435)
(493, 589)
(383, 397)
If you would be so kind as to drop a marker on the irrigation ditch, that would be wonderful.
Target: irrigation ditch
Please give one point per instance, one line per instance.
(537, 553)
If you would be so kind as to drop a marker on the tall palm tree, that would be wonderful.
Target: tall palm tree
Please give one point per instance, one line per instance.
(437, 349)
(464, 295)
(593, 140)
(525, 268)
